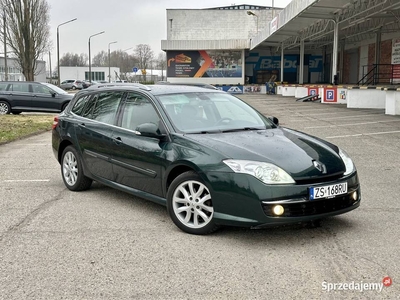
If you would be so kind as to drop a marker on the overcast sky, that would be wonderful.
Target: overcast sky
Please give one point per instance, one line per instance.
(129, 22)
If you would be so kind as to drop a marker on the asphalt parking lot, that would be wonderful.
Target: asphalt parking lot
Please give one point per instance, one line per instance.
(105, 244)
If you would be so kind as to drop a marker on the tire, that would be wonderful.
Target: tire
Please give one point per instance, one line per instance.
(5, 108)
(74, 87)
(72, 171)
(189, 204)
(16, 112)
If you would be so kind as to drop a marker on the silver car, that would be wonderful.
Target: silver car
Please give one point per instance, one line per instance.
(71, 84)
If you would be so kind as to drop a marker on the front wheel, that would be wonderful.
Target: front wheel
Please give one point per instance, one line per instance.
(190, 205)
(5, 108)
(72, 171)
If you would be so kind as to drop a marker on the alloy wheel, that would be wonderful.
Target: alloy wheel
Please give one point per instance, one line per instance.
(70, 168)
(191, 203)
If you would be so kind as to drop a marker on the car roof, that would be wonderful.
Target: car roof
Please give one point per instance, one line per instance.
(160, 89)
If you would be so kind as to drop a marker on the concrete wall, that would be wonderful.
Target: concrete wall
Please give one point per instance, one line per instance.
(211, 24)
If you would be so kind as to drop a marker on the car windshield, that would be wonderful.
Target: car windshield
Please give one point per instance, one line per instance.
(211, 113)
(55, 88)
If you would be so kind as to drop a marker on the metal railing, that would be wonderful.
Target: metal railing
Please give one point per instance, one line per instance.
(378, 74)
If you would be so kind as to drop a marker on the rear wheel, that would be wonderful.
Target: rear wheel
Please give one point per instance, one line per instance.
(4, 107)
(190, 205)
(72, 171)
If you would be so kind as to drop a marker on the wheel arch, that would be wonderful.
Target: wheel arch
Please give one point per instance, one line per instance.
(175, 172)
(64, 144)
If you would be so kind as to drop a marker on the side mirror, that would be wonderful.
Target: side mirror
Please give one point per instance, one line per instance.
(274, 120)
(150, 130)
(53, 94)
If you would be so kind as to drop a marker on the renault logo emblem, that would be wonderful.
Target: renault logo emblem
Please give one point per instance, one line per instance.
(319, 166)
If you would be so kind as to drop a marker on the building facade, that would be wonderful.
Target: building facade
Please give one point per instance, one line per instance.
(15, 73)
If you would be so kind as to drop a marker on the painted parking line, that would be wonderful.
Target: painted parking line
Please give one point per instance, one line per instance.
(350, 124)
(354, 116)
(27, 180)
(362, 134)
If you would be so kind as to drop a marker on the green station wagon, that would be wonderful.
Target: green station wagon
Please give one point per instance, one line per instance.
(206, 155)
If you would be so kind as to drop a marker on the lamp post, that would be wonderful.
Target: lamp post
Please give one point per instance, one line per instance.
(109, 67)
(250, 13)
(58, 49)
(90, 63)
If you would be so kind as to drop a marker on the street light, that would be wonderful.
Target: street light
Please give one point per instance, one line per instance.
(58, 49)
(109, 67)
(127, 49)
(250, 13)
(90, 63)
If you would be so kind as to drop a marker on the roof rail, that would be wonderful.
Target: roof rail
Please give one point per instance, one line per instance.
(119, 84)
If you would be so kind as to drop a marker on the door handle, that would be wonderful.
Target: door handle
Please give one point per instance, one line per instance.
(117, 140)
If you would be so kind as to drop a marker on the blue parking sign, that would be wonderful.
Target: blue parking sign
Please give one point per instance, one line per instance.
(330, 95)
(135, 69)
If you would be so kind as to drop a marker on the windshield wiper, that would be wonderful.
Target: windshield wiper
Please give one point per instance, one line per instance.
(243, 129)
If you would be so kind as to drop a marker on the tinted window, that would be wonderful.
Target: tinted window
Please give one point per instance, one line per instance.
(41, 89)
(3, 86)
(79, 104)
(138, 110)
(106, 107)
(20, 87)
(102, 107)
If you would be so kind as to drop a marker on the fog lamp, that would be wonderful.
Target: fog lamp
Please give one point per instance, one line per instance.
(278, 210)
(354, 195)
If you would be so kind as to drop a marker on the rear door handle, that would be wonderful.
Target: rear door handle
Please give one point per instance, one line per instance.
(117, 140)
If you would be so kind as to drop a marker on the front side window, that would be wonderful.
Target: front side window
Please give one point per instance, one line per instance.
(41, 89)
(138, 110)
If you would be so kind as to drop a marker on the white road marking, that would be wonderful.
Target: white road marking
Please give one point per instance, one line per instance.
(362, 134)
(350, 124)
(27, 180)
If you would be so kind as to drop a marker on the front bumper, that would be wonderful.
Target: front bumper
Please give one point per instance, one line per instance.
(242, 200)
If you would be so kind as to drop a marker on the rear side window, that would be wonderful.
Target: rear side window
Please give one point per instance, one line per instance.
(79, 104)
(106, 107)
(101, 107)
(3, 86)
(19, 87)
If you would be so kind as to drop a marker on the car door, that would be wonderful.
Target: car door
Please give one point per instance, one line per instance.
(138, 161)
(20, 95)
(94, 129)
(43, 98)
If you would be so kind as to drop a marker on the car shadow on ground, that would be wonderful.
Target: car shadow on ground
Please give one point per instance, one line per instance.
(332, 227)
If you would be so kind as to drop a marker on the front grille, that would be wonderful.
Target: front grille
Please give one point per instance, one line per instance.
(319, 179)
(313, 207)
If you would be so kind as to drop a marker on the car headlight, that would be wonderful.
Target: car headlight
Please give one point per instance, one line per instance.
(350, 167)
(265, 172)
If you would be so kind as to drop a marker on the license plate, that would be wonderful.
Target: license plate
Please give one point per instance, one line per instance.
(328, 191)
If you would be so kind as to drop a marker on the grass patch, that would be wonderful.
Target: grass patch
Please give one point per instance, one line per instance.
(14, 127)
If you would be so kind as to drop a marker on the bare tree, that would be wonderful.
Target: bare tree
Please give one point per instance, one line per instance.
(100, 59)
(162, 63)
(74, 60)
(27, 32)
(144, 55)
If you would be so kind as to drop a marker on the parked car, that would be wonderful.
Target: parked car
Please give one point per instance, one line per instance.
(87, 83)
(71, 84)
(208, 156)
(19, 96)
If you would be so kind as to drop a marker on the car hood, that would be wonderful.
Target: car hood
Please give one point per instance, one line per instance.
(301, 155)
